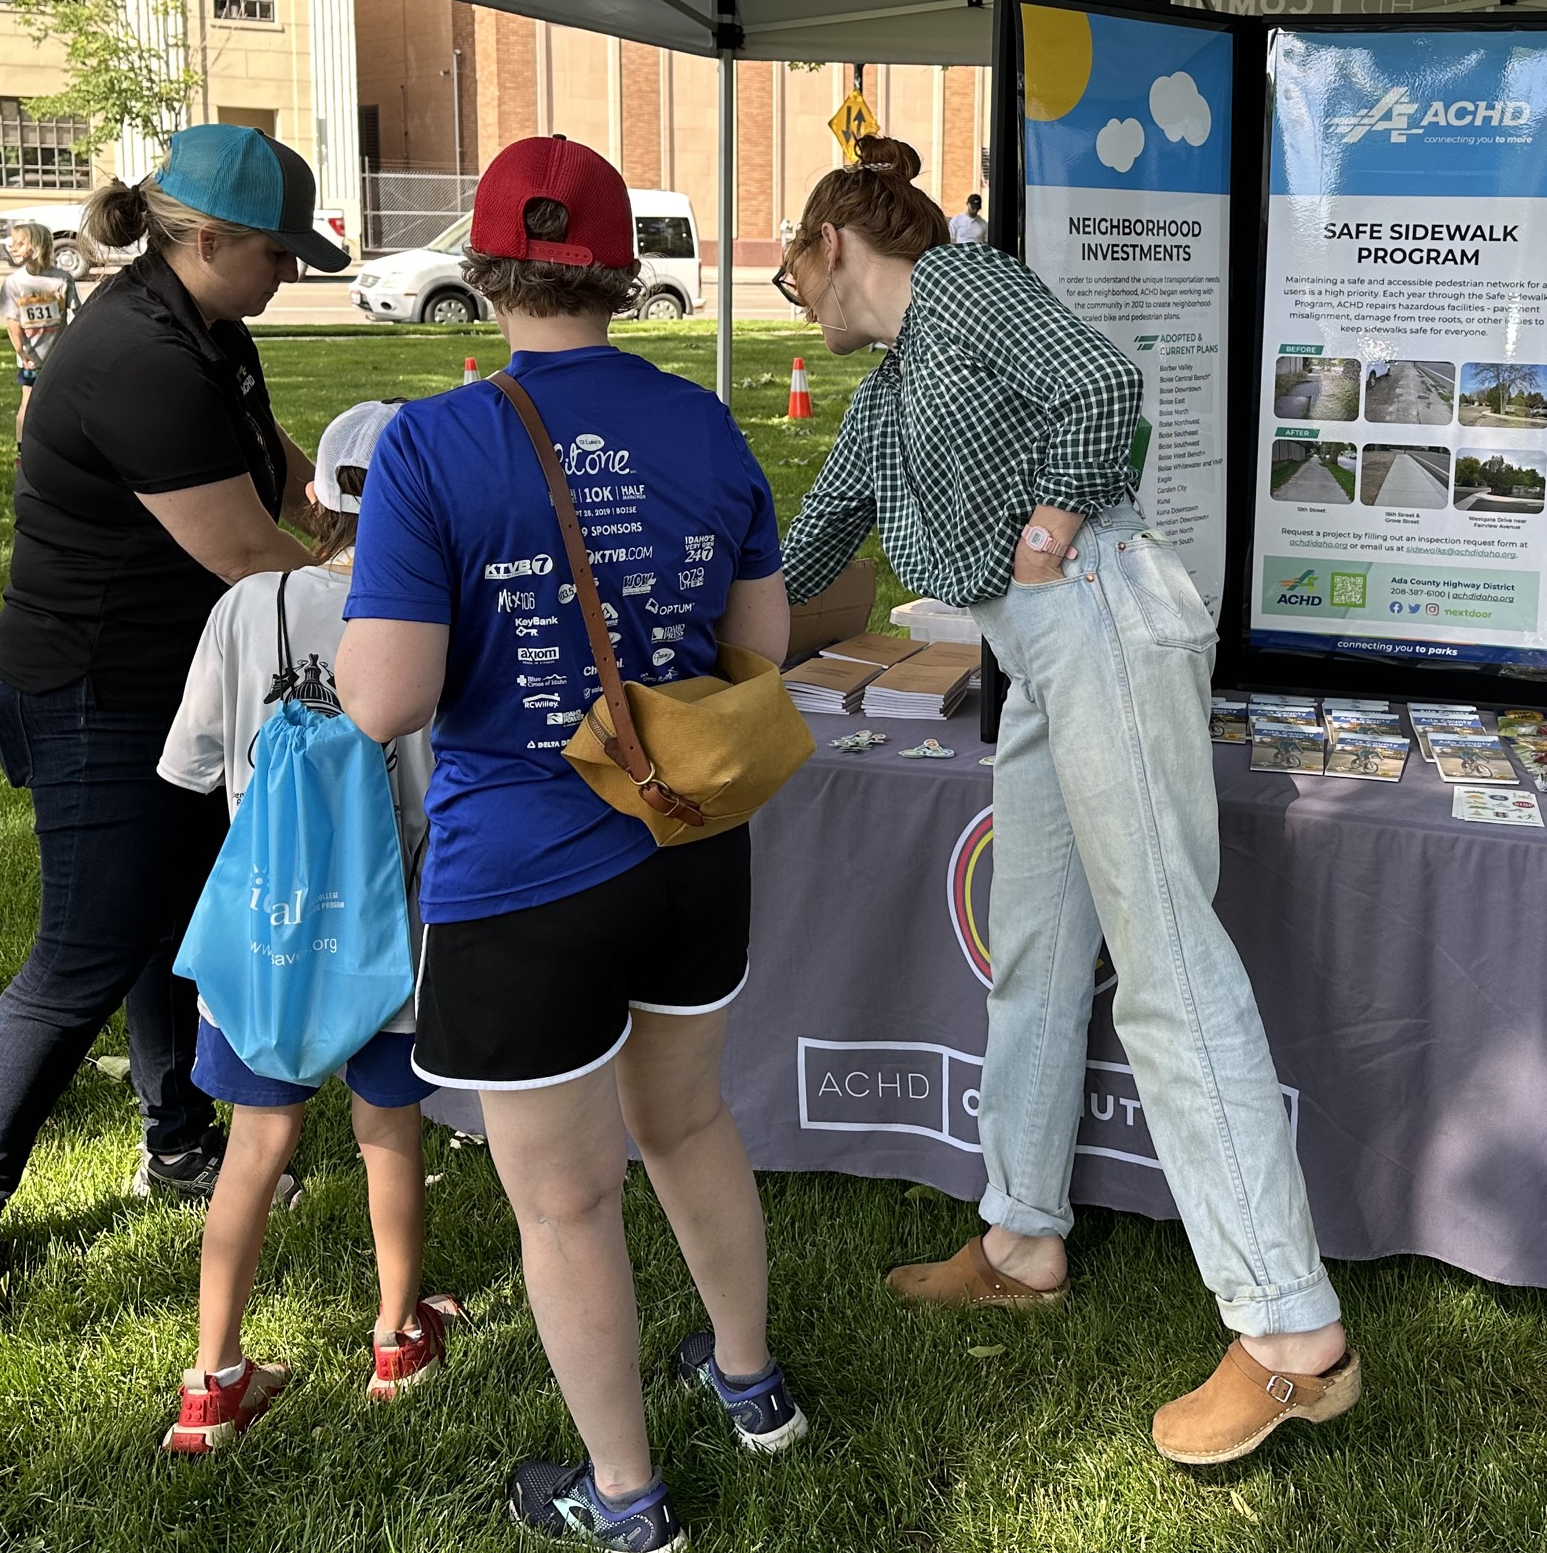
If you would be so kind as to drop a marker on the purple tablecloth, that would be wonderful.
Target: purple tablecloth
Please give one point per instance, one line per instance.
(1397, 955)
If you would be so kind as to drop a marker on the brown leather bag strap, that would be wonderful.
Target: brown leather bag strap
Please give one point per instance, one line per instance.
(625, 749)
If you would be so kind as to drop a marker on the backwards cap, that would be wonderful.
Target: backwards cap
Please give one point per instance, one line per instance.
(348, 442)
(588, 186)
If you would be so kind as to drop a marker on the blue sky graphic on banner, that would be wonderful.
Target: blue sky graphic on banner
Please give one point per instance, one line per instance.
(1113, 103)
(1410, 113)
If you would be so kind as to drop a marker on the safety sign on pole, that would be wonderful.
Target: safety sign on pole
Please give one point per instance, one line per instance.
(851, 121)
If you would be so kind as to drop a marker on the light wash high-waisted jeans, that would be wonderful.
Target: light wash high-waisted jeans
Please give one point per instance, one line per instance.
(1106, 822)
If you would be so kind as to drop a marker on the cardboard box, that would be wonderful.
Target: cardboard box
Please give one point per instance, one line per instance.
(836, 612)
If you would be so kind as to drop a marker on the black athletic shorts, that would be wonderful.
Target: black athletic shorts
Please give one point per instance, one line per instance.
(539, 996)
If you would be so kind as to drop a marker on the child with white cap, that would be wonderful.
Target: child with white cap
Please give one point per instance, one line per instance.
(237, 681)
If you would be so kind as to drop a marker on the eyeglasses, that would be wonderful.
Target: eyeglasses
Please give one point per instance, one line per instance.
(784, 284)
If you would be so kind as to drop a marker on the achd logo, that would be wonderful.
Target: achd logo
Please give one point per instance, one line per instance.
(1394, 113)
(967, 884)
(1300, 590)
(968, 880)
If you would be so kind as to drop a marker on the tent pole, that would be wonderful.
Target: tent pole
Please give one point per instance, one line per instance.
(727, 223)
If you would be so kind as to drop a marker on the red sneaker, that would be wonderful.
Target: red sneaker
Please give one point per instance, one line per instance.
(213, 1415)
(406, 1361)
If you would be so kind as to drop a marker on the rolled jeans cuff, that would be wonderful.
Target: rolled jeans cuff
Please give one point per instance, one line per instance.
(1000, 1208)
(1301, 1306)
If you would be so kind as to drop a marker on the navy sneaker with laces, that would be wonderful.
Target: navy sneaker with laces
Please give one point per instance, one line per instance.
(764, 1417)
(563, 1502)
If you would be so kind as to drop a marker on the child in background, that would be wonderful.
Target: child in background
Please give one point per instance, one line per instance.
(234, 686)
(36, 302)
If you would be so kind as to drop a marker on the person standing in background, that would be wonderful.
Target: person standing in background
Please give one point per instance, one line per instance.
(36, 302)
(969, 226)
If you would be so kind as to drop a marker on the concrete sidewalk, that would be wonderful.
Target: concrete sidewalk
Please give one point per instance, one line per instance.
(1313, 482)
(1410, 483)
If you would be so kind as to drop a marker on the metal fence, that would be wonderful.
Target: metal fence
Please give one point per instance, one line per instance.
(408, 209)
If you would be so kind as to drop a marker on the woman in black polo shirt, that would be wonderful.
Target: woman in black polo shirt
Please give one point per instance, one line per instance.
(152, 476)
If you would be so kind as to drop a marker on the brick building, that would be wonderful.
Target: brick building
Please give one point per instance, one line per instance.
(441, 79)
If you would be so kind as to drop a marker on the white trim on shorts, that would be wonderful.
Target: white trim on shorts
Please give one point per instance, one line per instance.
(527, 1083)
(699, 1008)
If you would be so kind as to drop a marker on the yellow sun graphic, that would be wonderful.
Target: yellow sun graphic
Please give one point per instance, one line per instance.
(1057, 60)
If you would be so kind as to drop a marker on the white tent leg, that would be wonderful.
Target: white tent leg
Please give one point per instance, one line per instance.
(727, 224)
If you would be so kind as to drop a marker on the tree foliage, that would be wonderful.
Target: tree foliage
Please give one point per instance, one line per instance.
(117, 80)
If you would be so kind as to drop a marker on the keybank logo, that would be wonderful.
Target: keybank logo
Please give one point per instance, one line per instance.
(1394, 114)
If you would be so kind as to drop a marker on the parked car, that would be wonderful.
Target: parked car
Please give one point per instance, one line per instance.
(73, 255)
(425, 285)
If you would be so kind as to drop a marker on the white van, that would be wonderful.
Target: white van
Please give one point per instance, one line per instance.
(425, 285)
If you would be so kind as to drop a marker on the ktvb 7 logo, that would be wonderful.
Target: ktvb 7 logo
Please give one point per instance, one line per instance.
(1393, 116)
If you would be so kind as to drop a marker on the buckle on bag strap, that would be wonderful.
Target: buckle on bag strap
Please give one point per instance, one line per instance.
(673, 805)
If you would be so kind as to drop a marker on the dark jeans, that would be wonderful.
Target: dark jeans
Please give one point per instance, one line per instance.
(123, 857)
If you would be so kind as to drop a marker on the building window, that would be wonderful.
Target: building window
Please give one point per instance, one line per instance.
(244, 10)
(36, 154)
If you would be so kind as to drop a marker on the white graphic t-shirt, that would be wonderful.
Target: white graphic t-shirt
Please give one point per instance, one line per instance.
(40, 304)
(235, 686)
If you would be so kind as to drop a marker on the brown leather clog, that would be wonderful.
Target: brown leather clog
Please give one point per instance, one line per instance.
(1242, 1403)
(968, 1280)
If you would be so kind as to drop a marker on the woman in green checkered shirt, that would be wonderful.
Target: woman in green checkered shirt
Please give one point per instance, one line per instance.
(990, 448)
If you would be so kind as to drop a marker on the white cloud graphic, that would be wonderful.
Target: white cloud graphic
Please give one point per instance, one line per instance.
(1180, 109)
(1119, 143)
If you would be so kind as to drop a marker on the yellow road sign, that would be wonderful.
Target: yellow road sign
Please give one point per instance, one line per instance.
(851, 121)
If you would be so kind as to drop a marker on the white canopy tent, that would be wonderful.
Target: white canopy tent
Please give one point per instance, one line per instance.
(880, 32)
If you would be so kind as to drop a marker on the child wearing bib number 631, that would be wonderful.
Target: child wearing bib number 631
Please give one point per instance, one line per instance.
(234, 686)
(36, 301)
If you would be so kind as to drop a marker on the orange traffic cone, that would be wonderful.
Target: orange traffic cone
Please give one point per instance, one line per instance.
(470, 370)
(800, 393)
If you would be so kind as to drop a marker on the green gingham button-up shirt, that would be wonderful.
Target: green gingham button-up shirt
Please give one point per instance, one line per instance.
(994, 400)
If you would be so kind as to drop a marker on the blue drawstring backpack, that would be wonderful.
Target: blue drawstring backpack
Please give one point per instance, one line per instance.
(299, 942)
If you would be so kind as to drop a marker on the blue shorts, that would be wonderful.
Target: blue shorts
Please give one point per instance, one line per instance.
(380, 1073)
(26, 376)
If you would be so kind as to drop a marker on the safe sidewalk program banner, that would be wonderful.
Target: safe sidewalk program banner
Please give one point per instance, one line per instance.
(1127, 129)
(1403, 435)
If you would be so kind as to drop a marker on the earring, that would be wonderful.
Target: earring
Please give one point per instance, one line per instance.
(843, 323)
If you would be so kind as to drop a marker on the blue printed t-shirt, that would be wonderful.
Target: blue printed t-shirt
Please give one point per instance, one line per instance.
(457, 529)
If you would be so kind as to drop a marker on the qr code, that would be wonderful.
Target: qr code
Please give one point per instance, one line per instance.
(1348, 590)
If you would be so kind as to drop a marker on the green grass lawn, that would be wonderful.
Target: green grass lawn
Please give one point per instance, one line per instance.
(917, 1446)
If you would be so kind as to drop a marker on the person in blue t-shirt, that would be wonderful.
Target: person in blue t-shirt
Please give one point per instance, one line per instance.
(574, 974)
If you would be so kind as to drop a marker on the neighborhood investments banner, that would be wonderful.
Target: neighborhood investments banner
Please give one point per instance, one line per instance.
(1127, 135)
(1403, 434)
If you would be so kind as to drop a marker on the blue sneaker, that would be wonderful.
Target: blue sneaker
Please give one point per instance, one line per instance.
(563, 1502)
(764, 1416)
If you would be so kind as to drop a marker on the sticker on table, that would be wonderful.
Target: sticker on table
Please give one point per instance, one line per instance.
(1493, 807)
(858, 743)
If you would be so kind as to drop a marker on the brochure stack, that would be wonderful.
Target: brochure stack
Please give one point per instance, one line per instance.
(928, 684)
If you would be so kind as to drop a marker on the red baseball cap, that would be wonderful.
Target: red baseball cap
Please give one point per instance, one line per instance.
(588, 186)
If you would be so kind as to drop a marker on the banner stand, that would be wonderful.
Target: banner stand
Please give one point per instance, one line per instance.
(1356, 477)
